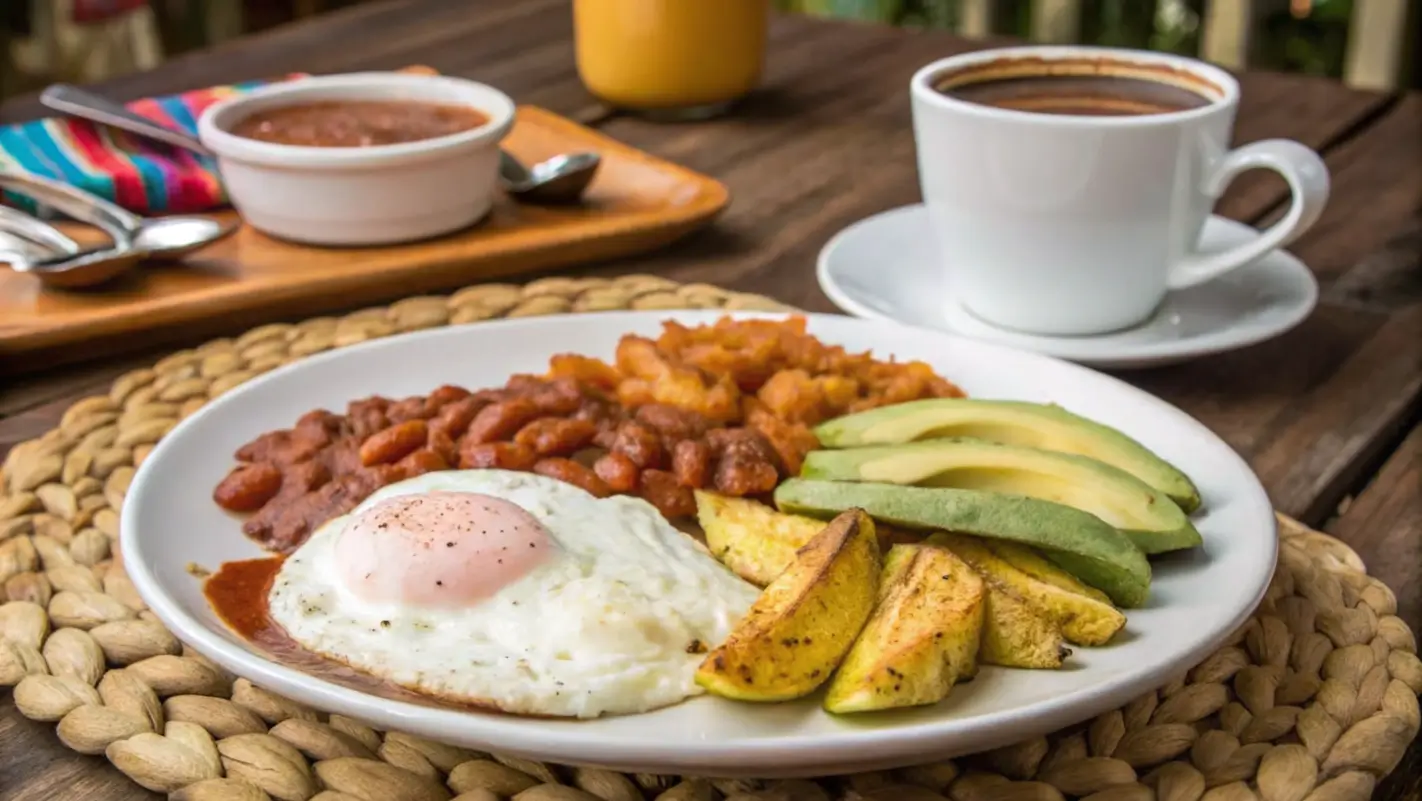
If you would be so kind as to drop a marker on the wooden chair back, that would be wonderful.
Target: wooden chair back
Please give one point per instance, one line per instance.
(1377, 53)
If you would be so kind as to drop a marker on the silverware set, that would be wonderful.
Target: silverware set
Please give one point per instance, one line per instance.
(33, 246)
(38, 248)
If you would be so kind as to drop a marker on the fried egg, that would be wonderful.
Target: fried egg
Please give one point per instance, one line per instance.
(514, 591)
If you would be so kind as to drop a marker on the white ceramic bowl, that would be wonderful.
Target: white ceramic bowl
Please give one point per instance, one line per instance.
(361, 195)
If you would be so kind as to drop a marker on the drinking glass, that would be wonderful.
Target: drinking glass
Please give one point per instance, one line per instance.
(670, 59)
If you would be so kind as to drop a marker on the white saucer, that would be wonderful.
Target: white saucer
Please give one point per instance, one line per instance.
(886, 267)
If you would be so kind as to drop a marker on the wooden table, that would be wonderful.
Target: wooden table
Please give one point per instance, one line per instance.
(1330, 415)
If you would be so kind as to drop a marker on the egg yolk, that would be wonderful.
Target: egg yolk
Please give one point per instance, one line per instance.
(439, 549)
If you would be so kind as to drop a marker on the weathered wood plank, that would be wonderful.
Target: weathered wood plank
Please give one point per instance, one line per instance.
(1405, 781)
(69, 382)
(1375, 202)
(35, 766)
(1240, 394)
(1318, 448)
(1383, 523)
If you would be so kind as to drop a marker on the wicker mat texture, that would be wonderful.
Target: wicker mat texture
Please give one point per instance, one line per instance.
(1314, 699)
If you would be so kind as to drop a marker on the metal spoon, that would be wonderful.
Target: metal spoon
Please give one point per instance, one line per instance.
(167, 238)
(63, 270)
(36, 231)
(559, 179)
(76, 102)
(60, 261)
(17, 249)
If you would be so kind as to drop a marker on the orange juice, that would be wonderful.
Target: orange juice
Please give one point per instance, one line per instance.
(688, 57)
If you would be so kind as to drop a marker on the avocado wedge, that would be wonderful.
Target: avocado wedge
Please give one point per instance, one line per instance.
(1031, 425)
(1143, 513)
(1078, 542)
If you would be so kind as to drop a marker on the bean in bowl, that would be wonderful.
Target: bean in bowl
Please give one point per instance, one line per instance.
(358, 123)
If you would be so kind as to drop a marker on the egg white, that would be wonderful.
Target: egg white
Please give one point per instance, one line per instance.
(609, 625)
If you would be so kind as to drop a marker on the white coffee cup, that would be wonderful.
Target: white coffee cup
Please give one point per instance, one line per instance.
(1076, 224)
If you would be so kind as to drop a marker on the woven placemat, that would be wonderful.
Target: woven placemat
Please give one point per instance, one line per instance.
(1314, 699)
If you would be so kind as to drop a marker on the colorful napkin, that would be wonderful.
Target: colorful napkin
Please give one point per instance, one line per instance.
(136, 173)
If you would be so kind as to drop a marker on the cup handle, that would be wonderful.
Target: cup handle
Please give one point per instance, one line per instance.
(1308, 182)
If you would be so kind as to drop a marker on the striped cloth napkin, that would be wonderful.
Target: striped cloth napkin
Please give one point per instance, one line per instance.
(140, 175)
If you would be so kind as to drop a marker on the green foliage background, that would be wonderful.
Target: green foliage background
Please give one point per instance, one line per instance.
(1311, 43)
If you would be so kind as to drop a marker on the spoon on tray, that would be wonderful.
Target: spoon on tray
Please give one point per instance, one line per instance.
(62, 262)
(36, 248)
(36, 231)
(560, 179)
(166, 238)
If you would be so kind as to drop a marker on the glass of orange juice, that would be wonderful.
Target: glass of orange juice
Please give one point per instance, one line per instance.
(670, 59)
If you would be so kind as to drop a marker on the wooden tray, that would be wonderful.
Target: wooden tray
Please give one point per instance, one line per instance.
(636, 203)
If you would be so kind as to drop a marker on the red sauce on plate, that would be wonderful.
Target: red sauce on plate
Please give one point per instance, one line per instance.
(357, 123)
(238, 593)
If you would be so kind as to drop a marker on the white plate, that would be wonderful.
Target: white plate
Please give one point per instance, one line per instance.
(887, 267)
(1198, 598)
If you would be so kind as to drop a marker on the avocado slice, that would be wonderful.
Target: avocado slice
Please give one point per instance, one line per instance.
(1080, 543)
(1152, 521)
(1031, 425)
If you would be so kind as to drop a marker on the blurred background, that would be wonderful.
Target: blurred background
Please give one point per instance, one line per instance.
(1367, 43)
(1307, 36)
